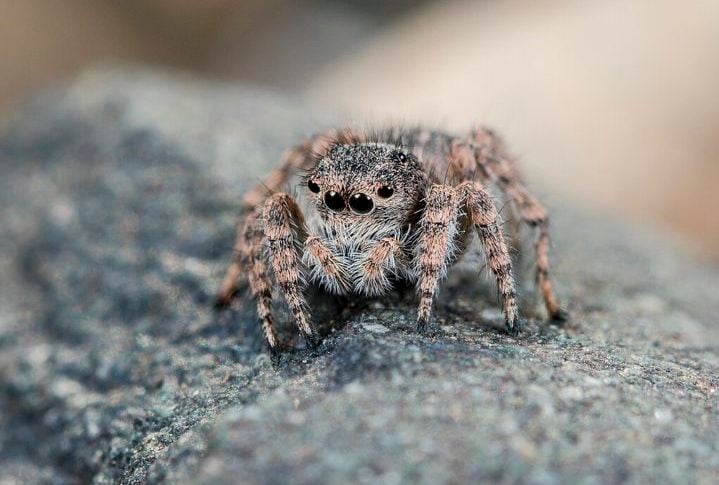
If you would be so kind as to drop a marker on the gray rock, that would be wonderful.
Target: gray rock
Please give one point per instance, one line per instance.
(118, 201)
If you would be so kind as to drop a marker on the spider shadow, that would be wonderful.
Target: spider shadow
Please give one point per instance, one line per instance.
(467, 299)
(333, 313)
(463, 300)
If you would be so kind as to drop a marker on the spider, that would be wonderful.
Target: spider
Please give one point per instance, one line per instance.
(375, 209)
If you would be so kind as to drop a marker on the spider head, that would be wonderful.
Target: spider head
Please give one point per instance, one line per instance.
(366, 182)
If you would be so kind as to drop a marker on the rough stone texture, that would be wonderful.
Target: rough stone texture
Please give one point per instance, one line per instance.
(117, 206)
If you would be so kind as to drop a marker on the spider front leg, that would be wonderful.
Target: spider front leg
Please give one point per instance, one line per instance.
(284, 227)
(439, 229)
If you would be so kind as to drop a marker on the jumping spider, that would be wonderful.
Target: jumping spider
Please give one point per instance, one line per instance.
(373, 209)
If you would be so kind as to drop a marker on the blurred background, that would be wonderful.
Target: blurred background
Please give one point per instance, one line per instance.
(612, 106)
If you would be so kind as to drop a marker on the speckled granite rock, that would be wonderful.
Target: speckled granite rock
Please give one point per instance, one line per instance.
(118, 200)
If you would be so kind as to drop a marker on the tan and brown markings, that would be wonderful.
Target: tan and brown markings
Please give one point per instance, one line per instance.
(374, 209)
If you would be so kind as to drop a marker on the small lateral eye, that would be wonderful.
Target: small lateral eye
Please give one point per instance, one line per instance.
(314, 188)
(400, 157)
(385, 192)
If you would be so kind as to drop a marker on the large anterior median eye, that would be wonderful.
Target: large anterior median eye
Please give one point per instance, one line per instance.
(361, 204)
(334, 201)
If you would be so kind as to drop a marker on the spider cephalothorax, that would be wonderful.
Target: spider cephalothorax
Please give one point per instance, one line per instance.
(372, 210)
(367, 181)
(368, 195)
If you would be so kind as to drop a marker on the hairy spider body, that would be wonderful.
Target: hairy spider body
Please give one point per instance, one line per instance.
(372, 209)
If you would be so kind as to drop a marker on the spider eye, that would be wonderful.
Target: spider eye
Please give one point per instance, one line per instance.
(361, 204)
(400, 157)
(385, 192)
(314, 188)
(334, 201)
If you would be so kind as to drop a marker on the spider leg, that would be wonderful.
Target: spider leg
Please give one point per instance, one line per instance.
(498, 166)
(436, 246)
(248, 252)
(229, 287)
(535, 215)
(283, 229)
(240, 257)
(382, 257)
(295, 159)
(483, 215)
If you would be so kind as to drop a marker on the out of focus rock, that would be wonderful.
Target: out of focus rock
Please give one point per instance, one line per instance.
(118, 200)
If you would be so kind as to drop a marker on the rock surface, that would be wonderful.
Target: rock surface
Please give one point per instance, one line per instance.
(118, 202)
